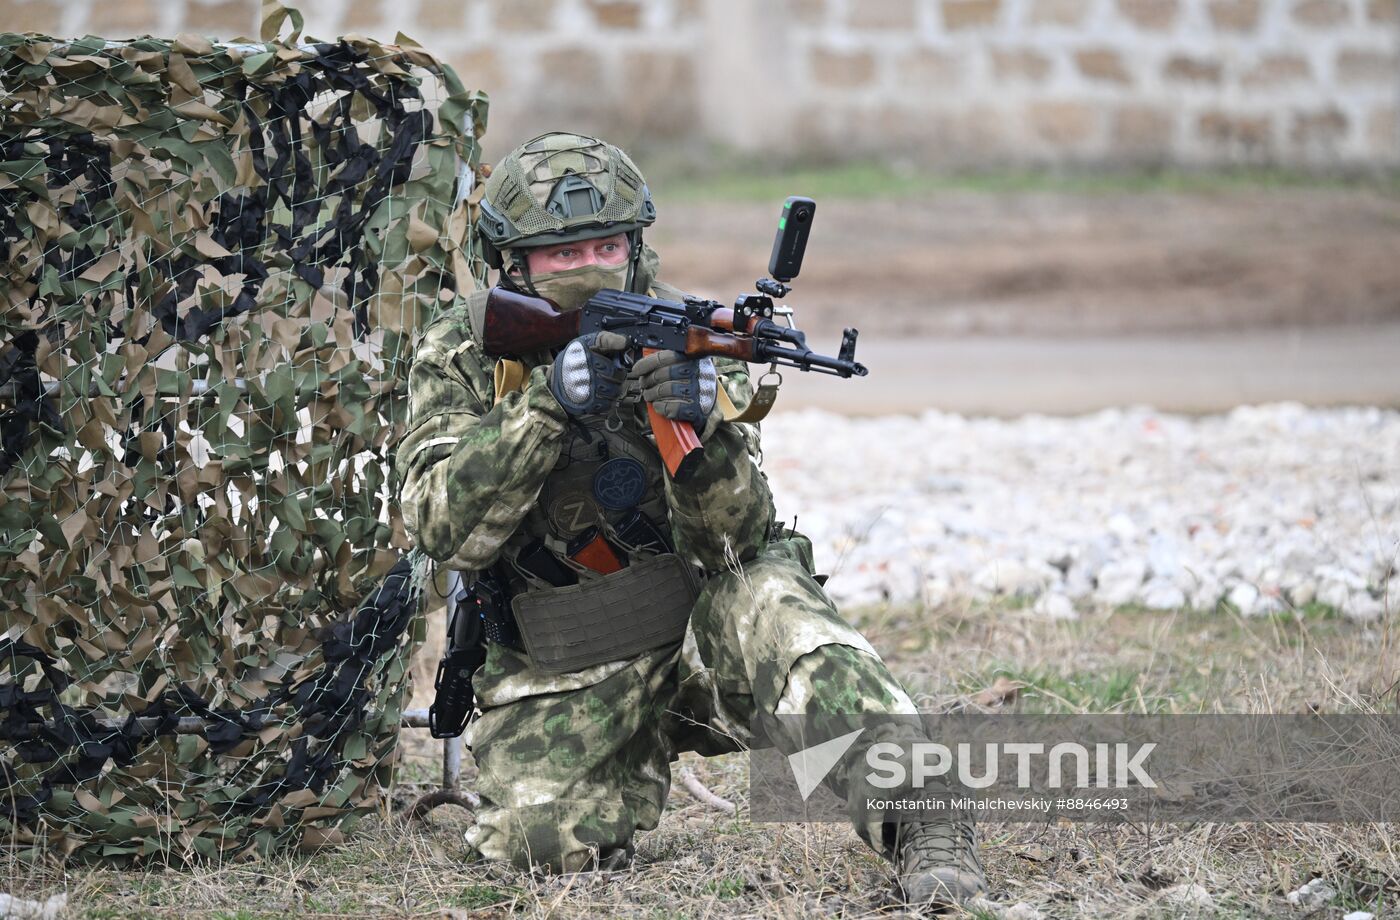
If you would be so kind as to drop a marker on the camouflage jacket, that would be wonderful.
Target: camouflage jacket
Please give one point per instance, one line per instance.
(481, 478)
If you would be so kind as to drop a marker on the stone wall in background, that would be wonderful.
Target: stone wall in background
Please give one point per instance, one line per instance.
(1310, 83)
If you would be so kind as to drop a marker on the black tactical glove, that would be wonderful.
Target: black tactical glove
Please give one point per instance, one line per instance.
(587, 376)
(678, 387)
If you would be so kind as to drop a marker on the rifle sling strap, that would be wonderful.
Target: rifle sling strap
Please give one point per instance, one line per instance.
(764, 395)
(509, 376)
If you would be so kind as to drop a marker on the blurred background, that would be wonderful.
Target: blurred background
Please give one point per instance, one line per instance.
(1024, 205)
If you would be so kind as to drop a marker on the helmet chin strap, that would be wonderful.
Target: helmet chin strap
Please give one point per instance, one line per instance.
(634, 260)
(525, 285)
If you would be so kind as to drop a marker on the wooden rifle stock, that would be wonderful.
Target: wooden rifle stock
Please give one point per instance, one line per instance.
(517, 324)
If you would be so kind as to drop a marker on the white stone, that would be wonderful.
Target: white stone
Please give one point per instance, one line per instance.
(1341, 574)
(1334, 594)
(1207, 594)
(1226, 567)
(1055, 606)
(936, 592)
(1359, 915)
(1160, 594)
(1120, 582)
(899, 580)
(1189, 895)
(1312, 894)
(1302, 591)
(1277, 503)
(1251, 569)
(1244, 597)
(1014, 578)
(1094, 556)
(1298, 553)
(1077, 585)
(1363, 608)
(1164, 558)
(1383, 568)
(1122, 527)
(24, 909)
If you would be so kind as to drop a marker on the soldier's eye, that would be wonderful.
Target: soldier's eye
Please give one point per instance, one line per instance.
(612, 252)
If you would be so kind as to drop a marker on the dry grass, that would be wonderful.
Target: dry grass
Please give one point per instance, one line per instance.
(700, 863)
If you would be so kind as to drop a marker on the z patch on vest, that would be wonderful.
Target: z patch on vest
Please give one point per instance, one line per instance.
(573, 513)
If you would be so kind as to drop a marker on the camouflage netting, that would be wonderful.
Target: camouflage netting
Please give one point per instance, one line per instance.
(215, 258)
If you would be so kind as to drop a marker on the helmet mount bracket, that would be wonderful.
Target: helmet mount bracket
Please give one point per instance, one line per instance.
(574, 196)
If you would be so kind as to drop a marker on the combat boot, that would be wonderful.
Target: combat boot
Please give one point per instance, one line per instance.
(937, 862)
(610, 859)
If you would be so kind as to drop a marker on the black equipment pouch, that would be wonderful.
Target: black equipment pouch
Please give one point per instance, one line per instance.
(639, 533)
(473, 608)
(641, 607)
(536, 559)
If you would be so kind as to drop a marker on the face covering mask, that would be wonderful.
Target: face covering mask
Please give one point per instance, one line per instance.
(571, 288)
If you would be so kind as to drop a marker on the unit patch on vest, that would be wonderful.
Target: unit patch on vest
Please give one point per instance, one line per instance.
(619, 484)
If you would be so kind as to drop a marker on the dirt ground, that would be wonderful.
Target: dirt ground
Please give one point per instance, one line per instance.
(1058, 263)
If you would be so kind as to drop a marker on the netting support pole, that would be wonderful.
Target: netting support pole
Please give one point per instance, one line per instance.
(451, 747)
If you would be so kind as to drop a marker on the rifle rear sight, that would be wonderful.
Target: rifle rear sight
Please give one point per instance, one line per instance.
(700, 310)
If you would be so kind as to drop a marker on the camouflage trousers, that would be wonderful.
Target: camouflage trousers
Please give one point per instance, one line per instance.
(573, 765)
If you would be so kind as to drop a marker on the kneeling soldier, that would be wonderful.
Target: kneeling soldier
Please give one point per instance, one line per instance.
(652, 616)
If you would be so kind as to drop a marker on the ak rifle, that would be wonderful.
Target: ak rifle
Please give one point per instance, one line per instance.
(518, 324)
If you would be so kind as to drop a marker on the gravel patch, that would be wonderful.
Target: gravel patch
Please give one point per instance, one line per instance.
(1267, 508)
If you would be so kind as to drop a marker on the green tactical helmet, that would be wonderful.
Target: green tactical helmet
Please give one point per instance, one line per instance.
(561, 188)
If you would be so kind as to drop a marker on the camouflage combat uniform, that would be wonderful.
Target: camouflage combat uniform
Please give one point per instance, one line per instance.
(579, 762)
